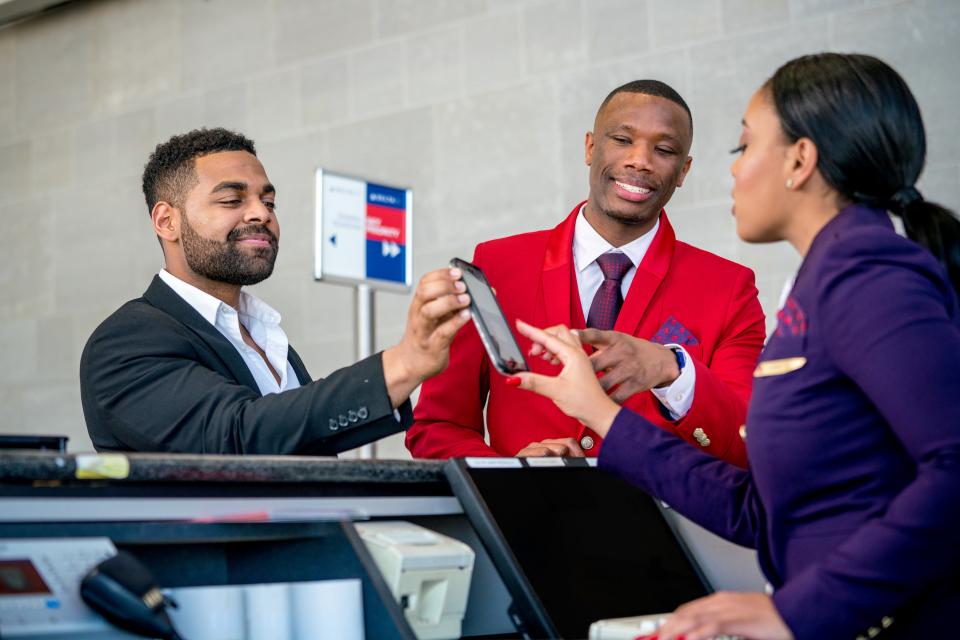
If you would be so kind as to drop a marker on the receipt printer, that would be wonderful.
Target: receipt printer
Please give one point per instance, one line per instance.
(428, 573)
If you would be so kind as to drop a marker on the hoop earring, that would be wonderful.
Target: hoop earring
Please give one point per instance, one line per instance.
(789, 183)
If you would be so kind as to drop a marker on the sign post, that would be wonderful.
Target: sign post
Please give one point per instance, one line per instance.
(364, 238)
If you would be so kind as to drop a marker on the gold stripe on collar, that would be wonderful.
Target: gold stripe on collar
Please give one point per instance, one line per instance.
(778, 367)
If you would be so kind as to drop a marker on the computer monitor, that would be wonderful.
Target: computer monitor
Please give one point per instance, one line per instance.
(573, 544)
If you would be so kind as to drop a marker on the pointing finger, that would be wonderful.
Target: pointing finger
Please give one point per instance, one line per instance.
(562, 344)
(596, 337)
(606, 359)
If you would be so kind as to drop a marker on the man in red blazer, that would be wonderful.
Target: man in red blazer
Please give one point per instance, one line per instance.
(677, 330)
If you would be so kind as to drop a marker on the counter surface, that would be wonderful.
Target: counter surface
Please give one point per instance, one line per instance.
(23, 466)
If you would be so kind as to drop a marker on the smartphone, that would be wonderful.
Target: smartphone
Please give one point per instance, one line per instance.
(491, 324)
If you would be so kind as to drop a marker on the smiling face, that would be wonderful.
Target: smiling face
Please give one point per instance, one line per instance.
(761, 201)
(637, 153)
(228, 228)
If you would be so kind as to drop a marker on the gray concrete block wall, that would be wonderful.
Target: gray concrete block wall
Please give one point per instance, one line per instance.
(479, 105)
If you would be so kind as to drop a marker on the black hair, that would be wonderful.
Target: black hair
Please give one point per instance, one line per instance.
(169, 172)
(654, 88)
(867, 127)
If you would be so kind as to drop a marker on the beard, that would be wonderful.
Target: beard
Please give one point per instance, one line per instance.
(227, 261)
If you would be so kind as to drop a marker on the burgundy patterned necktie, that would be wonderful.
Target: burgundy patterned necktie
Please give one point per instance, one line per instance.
(608, 299)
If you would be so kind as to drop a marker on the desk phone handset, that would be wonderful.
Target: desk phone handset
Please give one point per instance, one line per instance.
(124, 592)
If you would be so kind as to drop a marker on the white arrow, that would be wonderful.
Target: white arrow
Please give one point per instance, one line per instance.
(391, 249)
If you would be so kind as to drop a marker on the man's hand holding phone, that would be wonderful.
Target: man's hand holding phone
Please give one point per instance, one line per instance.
(438, 310)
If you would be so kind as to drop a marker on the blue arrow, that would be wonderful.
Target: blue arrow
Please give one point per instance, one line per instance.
(333, 239)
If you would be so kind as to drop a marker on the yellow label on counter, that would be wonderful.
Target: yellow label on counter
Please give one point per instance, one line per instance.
(107, 465)
(778, 367)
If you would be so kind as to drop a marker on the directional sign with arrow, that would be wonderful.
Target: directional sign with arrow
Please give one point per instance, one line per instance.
(390, 249)
(363, 232)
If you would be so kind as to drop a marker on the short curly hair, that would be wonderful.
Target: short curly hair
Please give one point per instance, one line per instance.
(654, 88)
(169, 173)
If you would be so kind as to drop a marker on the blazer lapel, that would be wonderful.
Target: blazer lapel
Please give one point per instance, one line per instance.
(555, 280)
(650, 274)
(298, 367)
(163, 297)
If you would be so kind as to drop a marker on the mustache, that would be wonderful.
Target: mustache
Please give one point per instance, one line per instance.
(253, 229)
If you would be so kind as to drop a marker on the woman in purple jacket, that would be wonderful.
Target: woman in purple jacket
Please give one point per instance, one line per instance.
(852, 498)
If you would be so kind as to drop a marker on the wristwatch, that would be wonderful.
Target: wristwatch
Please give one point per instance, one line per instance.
(681, 359)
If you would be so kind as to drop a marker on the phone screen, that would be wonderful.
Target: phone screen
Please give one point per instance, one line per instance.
(494, 330)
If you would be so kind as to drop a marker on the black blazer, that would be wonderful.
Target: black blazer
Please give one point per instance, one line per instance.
(156, 376)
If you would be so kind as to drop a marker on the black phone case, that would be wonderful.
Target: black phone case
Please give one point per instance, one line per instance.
(498, 363)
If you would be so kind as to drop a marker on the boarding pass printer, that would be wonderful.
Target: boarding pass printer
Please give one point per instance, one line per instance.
(428, 573)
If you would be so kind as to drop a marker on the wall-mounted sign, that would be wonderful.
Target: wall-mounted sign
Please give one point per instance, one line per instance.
(364, 232)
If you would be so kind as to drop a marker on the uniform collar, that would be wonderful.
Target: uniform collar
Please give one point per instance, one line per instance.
(558, 287)
(588, 245)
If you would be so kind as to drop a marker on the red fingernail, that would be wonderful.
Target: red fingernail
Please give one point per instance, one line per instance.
(513, 381)
(650, 637)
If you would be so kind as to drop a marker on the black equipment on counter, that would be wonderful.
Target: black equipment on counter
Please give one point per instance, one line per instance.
(124, 592)
(57, 444)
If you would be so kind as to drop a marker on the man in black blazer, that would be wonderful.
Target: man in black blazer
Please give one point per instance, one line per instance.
(198, 365)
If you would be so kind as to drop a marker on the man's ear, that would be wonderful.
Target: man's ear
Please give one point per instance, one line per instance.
(802, 159)
(684, 170)
(166, 221)
(588, 148)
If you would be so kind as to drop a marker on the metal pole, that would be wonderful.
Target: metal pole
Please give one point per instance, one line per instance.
(365, 342)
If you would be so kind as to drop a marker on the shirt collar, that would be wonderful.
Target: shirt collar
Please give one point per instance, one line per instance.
(254, 307)
(588, 245)
(209, 306)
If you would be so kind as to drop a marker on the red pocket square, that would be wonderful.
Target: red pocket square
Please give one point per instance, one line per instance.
(672, 332)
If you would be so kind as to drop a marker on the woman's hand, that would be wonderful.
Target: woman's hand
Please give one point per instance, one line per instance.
(575, 390)
(751, 615)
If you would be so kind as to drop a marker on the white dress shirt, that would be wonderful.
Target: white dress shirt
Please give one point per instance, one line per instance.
(588, 245)
(262, 323)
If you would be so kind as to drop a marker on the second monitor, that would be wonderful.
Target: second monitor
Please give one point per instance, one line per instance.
(574, 544)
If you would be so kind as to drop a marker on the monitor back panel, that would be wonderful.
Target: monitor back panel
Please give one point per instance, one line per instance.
(575, 545)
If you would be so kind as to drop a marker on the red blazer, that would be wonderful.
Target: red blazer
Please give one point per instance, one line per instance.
(533, 273)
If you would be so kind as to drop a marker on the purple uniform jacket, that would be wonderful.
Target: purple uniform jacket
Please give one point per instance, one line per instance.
(852, 497)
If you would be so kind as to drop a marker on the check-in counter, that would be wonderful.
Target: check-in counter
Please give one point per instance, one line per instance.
(214, 520)
(211, 520)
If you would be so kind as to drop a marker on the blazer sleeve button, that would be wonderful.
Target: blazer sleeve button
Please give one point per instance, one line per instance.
(701, 437)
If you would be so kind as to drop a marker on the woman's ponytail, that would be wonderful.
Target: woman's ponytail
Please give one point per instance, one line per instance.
(867, 127)
(937, 229)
